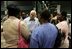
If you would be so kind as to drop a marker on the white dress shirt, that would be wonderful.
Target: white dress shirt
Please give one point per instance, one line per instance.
(31, 24)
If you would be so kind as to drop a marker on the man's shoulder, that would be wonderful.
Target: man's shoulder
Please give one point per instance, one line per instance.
(27, 18)
(50, 24)
(61, 23)
(38, 29)
(6, 21)
(36, 18)
(54, 27)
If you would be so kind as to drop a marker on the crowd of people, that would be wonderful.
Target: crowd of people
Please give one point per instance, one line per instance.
(39, 31)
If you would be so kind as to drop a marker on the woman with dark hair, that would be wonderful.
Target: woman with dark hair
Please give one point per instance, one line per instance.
(63, 25)
(10, 27)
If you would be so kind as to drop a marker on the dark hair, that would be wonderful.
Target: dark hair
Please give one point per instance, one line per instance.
(13, 10)
(54, 14)
(64, 14)
(45, 15)
(69, 21)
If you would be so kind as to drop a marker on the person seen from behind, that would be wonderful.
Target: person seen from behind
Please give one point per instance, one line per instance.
(63, 25)
(45, 35)
(10, 27)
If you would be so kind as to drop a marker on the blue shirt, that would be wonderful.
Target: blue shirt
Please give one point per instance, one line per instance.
(43, 36)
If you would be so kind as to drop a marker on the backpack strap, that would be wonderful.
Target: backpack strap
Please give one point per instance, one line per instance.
(58, 39)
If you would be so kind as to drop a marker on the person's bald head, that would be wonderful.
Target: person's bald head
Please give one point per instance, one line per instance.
(33, 14)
